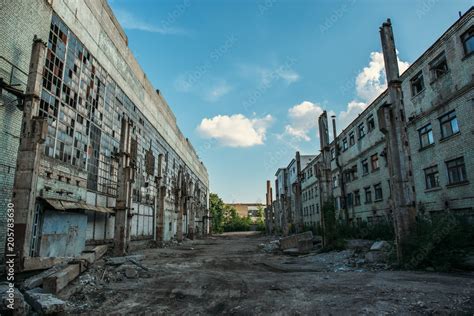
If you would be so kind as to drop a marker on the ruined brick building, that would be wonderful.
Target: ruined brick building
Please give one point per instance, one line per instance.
(412, 148)
(90, 150)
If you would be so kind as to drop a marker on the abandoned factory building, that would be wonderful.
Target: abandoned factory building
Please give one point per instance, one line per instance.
(429, 154)
(90, 151)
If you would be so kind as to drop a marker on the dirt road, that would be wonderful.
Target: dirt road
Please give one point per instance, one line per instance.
(230, 275)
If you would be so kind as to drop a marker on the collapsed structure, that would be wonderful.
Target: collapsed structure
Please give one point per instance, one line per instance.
(99, 156)
(411, 151)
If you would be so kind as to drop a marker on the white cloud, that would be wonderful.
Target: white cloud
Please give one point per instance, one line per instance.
(265, 76)
(354, 108)
(303, 118)
(371, 81)
(217, 91)
(235, 130)
(129, 21)
(369, 84)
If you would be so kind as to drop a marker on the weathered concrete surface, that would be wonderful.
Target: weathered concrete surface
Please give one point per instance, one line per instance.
(230, 274)
(292, 241)
(11, 297)
(44, 303)
(57, 281)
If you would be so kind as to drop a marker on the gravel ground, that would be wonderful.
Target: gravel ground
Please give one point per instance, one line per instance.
(230, 274)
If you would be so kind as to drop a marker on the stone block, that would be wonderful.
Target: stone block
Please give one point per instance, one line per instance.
(292, 241)
(44, 303)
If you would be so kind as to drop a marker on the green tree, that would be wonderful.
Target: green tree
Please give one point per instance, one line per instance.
(217, 211)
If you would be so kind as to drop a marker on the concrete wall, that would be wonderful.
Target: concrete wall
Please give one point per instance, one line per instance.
(20, 21)
(453, 91)
(91, 27)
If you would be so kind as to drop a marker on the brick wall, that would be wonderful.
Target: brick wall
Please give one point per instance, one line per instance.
(20, 21)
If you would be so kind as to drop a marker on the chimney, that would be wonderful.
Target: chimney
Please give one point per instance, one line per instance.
(323, 130)
(334, 133)
(389, 51)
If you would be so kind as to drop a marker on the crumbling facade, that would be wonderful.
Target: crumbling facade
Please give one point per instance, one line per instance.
(410, 152)
(99, 157)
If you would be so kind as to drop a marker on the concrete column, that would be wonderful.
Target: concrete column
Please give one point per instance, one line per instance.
(180, 205)
(159, 202)
(33, 134)
(324, 171)
(392, 122)
(124, 192)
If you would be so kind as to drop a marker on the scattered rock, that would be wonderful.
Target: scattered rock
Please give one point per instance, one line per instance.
(131, 273)
(44, 303)
(116, 261)
(12, 301)
(380, 246)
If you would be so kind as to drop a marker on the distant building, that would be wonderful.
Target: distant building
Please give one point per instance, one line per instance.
(247, 209)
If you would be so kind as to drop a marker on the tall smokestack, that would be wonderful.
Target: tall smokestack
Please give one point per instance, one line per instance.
(389, 51)
(323, 130)
(334, 134)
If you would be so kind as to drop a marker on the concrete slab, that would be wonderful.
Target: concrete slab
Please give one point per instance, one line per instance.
(292, 241)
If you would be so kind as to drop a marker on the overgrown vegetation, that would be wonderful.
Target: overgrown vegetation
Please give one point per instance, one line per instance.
(226, 219)
(441, 243)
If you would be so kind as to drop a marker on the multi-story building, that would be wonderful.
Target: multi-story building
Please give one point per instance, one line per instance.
(437, 95)
(310, 196)
(100, 157)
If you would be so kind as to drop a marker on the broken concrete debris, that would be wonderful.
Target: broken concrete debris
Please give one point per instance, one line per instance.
(12, 298)
(44, 303)
(293, 240)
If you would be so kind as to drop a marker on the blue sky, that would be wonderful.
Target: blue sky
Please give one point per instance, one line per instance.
(247, 79)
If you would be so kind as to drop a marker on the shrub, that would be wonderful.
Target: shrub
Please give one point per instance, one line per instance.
(441, 243)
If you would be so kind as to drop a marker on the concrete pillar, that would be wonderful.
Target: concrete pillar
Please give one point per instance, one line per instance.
(33, 134)
(180, 204)
(340, 170)
(324, 171)
(159, 202)
(124, 192)
(392, 122)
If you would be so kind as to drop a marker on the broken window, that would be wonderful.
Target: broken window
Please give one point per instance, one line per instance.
(356, 198)
(368, 195)
(438, 67)
(350, 202)
(432, 177)
(361, 130)
(351, 139)
(345, 145)
(468, 41)
(374, 161)
(449, 124)
(417, 84)
(333, 153)
(378, 192)
(426, 136)
(365, 167)
(456, 170)
(370, 123)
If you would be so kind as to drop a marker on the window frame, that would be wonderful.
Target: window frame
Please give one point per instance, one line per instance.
(418, 77)
(360, 130)
(376, 155)
(448, 118)
(435, 63)
(368, 193)
(428, 172)
(378, 188)
(425, 131)
(468, 35)
(459, 167)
